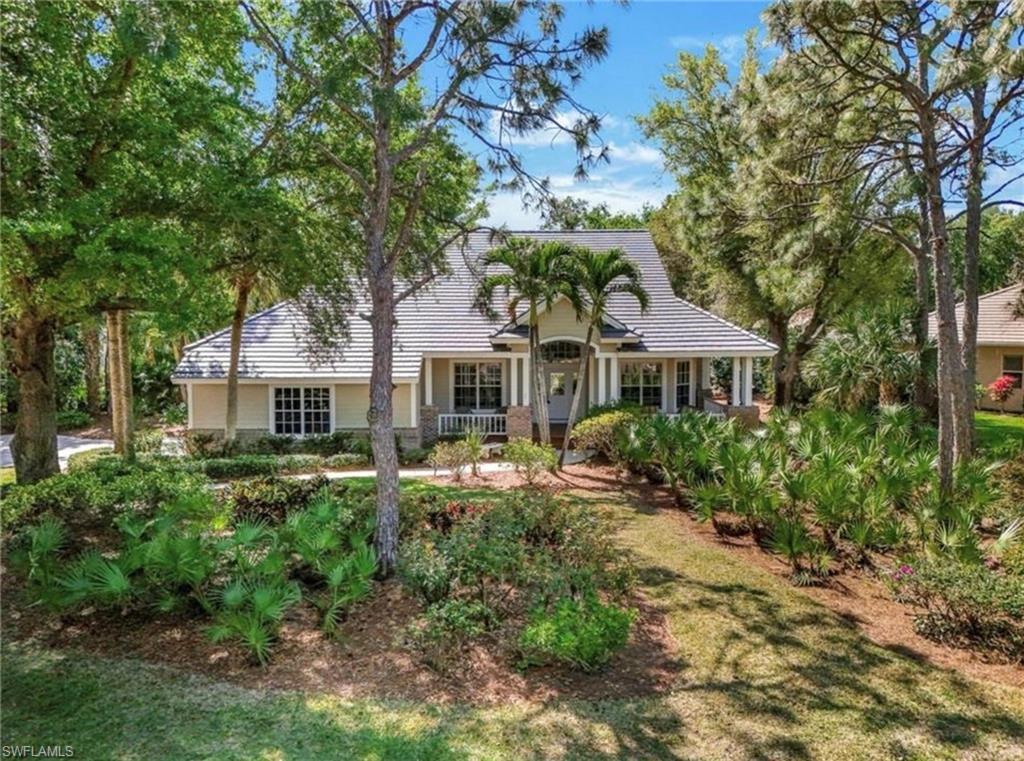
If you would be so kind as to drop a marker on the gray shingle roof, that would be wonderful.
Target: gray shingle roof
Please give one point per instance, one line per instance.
(996, 324)
(442, 318)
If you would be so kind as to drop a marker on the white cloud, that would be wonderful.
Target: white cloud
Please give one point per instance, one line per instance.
(730, 46)
(552, 135)
(635, 153)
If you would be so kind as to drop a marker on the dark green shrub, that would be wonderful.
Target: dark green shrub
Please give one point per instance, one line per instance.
(621, 405)
(92, 459)
(301, 463)
(201, 444)
(415, 456)
(272, 499)
(600, 432)
(455, 621)
(240, 466)
(148, 440)
(965, 605)
(582, 633)
(424, 571)
(271, 444)
(326, 445)
(69, 420)
(59, 495)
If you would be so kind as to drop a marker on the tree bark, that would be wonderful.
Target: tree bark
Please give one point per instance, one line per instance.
(35, 430)
(972, 245)
(778, 330)
(242, 289)
(93, 369)
(922, 308)
(577, 394)
(120, 372)
(540, 395)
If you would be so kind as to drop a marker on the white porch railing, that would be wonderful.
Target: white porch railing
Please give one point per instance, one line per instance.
(459, 423)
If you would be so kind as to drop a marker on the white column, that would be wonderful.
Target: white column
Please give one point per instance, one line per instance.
(748, 381)
(527, 380)
(513, 381)
(705, 372)
(428, 381)
(737, 398)
(615, 377)
(414, 406)
(602, 391)
(666, 384)
(693, 384)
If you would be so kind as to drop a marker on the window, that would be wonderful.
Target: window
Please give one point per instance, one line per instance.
(640, 382)
(1013, 365)
(477, 385)
(556, 384)
(683, 383)
(560, 351)
(302, 410)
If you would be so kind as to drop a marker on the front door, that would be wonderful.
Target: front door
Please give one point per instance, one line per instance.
(560, 384)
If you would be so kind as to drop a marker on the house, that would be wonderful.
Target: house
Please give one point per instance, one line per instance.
(1000, 341)
(454, 367)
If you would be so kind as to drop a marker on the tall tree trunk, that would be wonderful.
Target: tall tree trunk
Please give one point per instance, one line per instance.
(120, 372)
(35, 430)
(540, 395)
(242, 289)
(972, 244)
(950, 368)
(178, 347)
(922, 308)
(577, 394)
(778, 330)
(93, 368)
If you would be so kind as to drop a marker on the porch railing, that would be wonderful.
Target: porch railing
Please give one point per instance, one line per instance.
(460, 423)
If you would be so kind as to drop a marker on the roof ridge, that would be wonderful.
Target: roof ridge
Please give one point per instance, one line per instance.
(222, 331)
(997, 292)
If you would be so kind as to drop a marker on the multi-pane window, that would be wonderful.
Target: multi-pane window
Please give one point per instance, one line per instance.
(477, 386)
(560, 351)
(1013, 365)
(683, 381)
(302, 410)
(640, 382)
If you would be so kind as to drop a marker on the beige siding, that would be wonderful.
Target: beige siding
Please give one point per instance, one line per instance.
(561, 321)
(442, 398)
(352, 400)
(990, 367)
(209, 403)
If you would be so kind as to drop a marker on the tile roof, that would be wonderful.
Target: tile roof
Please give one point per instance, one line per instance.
(442, 318)
(996, 324)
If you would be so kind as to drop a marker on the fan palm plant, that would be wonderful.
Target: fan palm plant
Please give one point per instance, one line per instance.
(535, 275)
(597, 276)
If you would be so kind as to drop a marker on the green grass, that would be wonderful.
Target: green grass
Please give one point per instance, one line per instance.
(995, 429)
(6, 476)
(766, 673)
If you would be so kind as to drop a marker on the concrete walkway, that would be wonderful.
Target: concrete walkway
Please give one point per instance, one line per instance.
(66, 446)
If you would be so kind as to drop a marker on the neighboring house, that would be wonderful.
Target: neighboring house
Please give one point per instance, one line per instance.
(453, 367)
(1000, 342)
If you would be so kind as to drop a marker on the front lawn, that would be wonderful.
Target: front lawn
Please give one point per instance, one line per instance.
(995, 429)
(763, 672)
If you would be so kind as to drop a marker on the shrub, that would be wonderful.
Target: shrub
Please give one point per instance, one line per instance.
(301, 463)
(89, 459)
(241, 466)
(174, 414)
(451, 455)
(346, 460)
(457, 620)
(965, 605)
(425, 572)
(72, 419)
(325, 445)
(530, 459)
(1001, 389)
(583, 633)
(600, 432)
(272, 499)
(414, 456)
(621, 405)
(271, 444)
(473, 445)
(200, 443)
(148, 440)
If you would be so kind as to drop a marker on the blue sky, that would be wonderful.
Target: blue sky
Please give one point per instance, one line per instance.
(646, 38)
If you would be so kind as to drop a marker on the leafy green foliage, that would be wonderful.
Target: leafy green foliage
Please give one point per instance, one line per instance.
(530, 459)
(69, 420)
(450, 455)
(584, 633)
(601, 432)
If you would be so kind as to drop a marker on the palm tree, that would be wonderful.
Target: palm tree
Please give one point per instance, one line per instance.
(596, 277)
(534, 274)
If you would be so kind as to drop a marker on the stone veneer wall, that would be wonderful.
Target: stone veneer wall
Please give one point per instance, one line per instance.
(519, 422)
(428, 424)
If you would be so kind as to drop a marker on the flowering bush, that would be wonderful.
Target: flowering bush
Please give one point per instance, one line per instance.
(1001, 388)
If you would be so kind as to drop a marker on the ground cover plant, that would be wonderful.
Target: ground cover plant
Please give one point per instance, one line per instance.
(828, 490)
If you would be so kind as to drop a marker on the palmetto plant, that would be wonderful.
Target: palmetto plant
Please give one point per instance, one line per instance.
(533, 275)
(251, 610)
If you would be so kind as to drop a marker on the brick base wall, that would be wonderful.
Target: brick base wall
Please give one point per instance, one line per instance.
(519, 422)
(750, 417)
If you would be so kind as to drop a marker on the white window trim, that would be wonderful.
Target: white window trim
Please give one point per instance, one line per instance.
(477, 362)
(1002, 367)
(621, 370)
(332, 408)
(690, 394)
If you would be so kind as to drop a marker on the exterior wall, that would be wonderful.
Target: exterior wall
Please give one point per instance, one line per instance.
(209, 402)
(561, 321)
(352, 401)
(990, 367)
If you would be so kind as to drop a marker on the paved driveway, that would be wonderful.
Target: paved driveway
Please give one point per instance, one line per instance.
(66, 446)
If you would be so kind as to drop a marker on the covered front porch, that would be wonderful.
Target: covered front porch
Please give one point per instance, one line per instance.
(492, 393)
